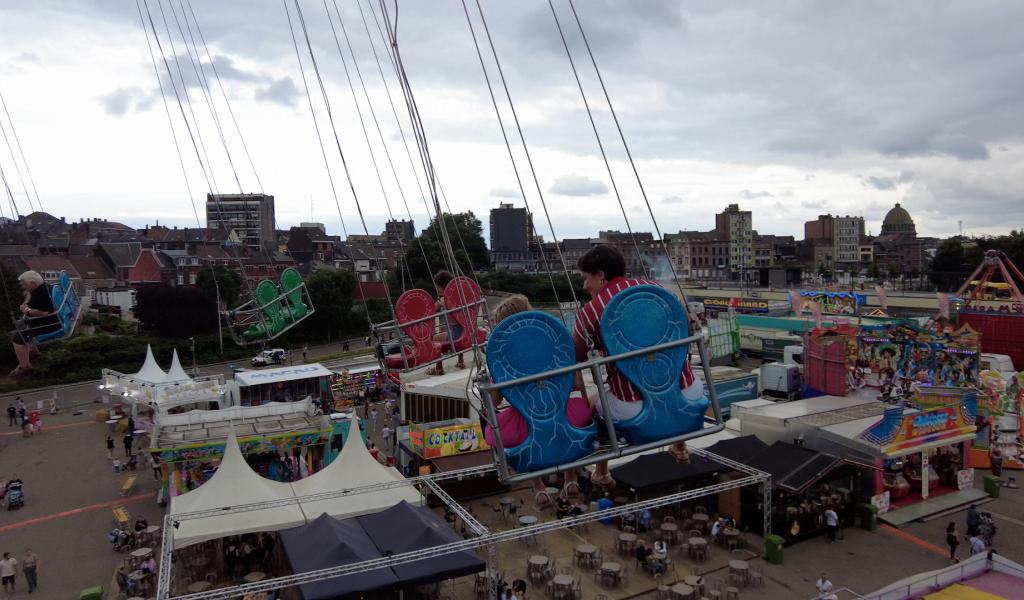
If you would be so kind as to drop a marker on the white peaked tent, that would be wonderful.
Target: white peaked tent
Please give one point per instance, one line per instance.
(234, 482)
(354, 467)
(150, 371)
(176, 373)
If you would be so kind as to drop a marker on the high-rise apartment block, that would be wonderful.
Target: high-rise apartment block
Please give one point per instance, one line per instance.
(250, 216)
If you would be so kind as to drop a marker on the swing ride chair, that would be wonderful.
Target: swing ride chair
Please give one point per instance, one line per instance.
(532, 363)
(273, 310)
(418, 321)
(67, 308)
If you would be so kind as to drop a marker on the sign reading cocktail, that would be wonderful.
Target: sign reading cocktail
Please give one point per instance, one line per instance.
(447, 440)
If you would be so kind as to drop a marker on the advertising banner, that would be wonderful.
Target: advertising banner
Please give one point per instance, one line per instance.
(447, 440)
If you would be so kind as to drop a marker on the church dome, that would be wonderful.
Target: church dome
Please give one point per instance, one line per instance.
(898, 220)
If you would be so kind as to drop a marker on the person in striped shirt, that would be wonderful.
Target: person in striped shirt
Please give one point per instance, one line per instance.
(603, 269)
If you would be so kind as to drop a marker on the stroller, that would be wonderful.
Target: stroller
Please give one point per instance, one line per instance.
(986, 528)
(15, 496)
(121, 540)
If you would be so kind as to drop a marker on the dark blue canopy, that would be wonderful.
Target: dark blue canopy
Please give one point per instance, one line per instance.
(404, 528)
(328, 542)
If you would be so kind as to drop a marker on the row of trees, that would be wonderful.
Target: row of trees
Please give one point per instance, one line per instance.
(957, 257)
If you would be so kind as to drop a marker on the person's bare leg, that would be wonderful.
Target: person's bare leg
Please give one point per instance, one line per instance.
(602, 477)
(22, 352)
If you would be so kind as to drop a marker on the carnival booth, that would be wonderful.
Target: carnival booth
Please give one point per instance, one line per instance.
(349, 383)
(921, 452)
(282, 442)
(282, 384)
(152, 392)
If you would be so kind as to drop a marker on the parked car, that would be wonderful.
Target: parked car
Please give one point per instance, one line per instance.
(275, 356)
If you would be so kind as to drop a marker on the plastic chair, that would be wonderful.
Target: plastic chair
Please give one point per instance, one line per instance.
(415, 305)
(272, 321)
(292, 286)
(460, 292)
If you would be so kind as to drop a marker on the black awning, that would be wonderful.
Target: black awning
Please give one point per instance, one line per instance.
(739, 449)
(659, 469)
(813, 470)
(794, 468)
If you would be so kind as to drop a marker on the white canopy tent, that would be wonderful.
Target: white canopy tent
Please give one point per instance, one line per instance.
(354, 467)
(150, 371)
(176, 373)
(234, 482)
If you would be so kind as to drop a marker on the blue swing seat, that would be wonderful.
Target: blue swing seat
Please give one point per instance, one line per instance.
(525, 344)
(66, 308)
(640, 317)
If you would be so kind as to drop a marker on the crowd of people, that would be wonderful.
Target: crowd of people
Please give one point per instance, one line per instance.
(28, 566)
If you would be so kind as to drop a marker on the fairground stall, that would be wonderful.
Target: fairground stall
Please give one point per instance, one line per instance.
(280, 441)
(283, 384)
(152, 391)
(350, 382)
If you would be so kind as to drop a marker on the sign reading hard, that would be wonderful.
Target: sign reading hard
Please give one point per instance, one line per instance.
(881, 502)
(964, 479)
(740, 304)
(448, 440)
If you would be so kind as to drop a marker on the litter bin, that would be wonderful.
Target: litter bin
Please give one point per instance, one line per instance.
(93, 593)
(868, 514)
(773, 548)
(993, 485)
(602, 504)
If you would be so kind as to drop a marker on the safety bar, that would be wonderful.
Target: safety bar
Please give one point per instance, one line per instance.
(617, 450)
(29, 328)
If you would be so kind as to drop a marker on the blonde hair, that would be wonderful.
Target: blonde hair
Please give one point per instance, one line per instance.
(31, 277)
(515, 303)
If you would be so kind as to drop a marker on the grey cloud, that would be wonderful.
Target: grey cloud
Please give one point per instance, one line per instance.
(815, 204)
(888, 183)
(505, 193)
(29, 57)
(124, 100)
(672, 200)
(578, 185)
(226, 69)
(749, 195)
(282, 91)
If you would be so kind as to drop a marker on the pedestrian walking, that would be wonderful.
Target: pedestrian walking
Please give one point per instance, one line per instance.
(30, 568)
(385, 436)
(972, 520)
(952, 540)
(374, 452)
(157, 474)
(824, 587)
(117, 466)
(53, 403)
(19, 403)
(110, 446)
(128, 440)
(8, 569)
(305, 349)
(373, 417)
(26, 426)
(831, 523)
(12, 413)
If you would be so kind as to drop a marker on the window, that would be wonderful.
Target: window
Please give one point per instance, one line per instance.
(192, 278)
(181, 279)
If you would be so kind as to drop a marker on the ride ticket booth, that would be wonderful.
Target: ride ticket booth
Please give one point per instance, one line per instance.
(921, 452)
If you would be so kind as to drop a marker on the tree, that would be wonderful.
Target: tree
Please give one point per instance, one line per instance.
(331, 293)
(13, 297)
(229, 281)
(465, 232)
(873, 271)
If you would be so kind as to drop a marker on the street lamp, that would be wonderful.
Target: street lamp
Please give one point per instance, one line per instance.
(194, 369)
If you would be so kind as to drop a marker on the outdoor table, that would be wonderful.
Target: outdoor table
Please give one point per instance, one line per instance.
(200, 586)
(142, 552)
(527, 520)
(137, 575)
(255, 576)
(552, 492)
(732, 536)
(696, 582)
(585, 554)
(627, 541)
(612, 570)
(698, 546)
(111, 423)
(741, 568)
(701, 520)
(670, 530)
(682, 590)
(563, 584)
(138, 432)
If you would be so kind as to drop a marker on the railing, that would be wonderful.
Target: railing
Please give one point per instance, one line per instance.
(392, 333)
(935, 580)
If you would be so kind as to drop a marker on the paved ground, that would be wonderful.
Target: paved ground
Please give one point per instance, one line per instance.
(70, 487)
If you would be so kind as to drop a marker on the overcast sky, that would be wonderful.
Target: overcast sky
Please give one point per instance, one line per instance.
(789, 109)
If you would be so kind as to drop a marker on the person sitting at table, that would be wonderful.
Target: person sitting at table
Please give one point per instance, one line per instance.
(716, 529)
(645, 520)
(660, 548)
(642, 552)
(562, 508)
(730, 522)
(141, 524)
(148, 565)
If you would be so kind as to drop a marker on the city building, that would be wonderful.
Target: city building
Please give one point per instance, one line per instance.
(250, 216)
(737, 227)
(511, 229)
(401, 231)
(898, 250)
(846, 242)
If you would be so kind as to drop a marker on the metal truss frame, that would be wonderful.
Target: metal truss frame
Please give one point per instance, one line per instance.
(483, 538)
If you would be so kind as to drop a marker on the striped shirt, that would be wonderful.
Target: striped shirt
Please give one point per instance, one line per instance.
(588, 326)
